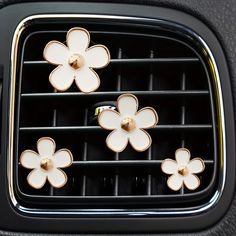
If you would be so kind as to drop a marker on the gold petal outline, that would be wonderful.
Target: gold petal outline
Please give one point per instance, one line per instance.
(183, 149)
(144, 149)
(168, 183)
(203, 164)
(76, 29)
(49, 139)
(99, 82)
(121, 150)
(107, 51)
(101, 113)
(28, 177)
(21, 156)
(155, 114)
(47, 45)
(192, 189)
(63, 184)
(168, 159)
(128, 95)
(70, 154)
(53, 85)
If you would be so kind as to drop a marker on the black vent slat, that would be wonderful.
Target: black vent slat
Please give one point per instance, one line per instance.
(150, 150)
(101, 33)
(167, 74)
(118, 88)
(92, 129)
(84, 158)
(122, 163)
(54, 124)
(132, 61)
(183, 88)
(115, 94)
(116, 184)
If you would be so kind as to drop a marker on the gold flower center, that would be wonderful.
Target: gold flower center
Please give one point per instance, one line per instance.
(76, 61)
(183, 170)
(46, 164)
(128, 124)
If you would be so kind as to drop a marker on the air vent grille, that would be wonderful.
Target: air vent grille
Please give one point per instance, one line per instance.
(164, 70)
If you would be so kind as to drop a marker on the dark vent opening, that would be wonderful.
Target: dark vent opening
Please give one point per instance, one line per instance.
(164, 70)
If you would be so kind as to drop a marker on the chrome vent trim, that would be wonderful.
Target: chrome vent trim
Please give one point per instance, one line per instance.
(117, 212)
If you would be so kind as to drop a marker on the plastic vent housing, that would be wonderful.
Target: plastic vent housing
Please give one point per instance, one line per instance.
(164, 71)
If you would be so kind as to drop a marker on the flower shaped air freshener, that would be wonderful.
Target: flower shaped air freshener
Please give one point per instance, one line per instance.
(128, 124)
(76, 61)
(183, 170)
(46, 164)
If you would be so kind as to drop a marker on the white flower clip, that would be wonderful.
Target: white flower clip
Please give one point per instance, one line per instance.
(183, 170)
(76, 61)
(46, 164)
(128, 124)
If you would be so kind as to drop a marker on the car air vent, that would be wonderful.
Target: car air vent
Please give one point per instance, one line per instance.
(164, 69)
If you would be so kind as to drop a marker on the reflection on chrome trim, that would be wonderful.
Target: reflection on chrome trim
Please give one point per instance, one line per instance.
(120, 212)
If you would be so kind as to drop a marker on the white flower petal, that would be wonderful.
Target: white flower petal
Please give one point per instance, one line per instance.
(191, 181)
(46, 147)
(175, 182)
(196, 166)
(62, 158)
(169, 166)
(78, 40)
(140, 140)
(117, 140)
(56, 53)
(57, 178)
(62, 77)
(109, 119)
(182, 156)
(30, 159)
(87, 80)
(37, 178)
(127, 104)
(146, 117)
(97, 56)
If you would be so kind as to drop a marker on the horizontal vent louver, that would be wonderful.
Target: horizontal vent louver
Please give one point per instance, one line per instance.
(164, 71)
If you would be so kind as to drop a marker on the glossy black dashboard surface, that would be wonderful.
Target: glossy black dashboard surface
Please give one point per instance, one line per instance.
(225, 31)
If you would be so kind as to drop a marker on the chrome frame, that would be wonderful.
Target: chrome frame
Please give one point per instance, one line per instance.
(118, 212)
